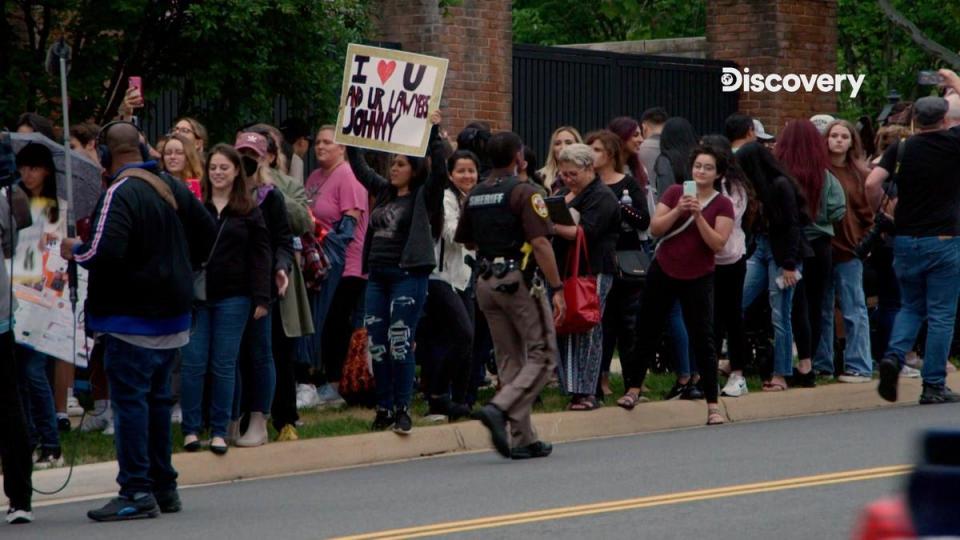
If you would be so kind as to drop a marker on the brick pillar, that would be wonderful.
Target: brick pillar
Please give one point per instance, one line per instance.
(777, 36)
(476, 37)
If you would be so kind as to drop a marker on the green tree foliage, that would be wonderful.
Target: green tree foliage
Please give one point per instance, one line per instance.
(870, 44)
(559, 22)
(228, 59)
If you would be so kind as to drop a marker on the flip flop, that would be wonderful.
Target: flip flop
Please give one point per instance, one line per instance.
(714, 418)
(774, 387)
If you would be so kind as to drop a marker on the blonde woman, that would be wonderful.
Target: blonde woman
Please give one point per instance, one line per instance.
(193, 130)
(563, 137)
(179, 158)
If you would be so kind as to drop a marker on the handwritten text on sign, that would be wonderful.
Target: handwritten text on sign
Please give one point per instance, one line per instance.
(387, 97)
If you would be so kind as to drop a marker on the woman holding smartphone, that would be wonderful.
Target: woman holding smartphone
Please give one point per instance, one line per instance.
(694, 222)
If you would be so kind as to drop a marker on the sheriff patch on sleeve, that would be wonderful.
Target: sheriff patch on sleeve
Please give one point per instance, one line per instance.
(539, 206)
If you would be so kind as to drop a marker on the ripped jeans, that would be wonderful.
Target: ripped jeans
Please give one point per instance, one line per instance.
(393, 305)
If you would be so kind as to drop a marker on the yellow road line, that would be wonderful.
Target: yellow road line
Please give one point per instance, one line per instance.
(632, 504)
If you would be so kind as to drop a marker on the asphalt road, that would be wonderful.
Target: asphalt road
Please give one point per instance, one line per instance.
(647, 471)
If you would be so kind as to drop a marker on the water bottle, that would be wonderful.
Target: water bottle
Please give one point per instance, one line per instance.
(626, 200)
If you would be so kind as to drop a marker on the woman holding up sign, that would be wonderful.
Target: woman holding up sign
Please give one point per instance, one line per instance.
(398, 253)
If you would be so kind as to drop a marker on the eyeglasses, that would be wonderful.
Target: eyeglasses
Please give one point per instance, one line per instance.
(183, 130)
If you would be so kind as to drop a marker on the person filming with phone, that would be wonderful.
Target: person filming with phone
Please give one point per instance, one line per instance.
(924, 171)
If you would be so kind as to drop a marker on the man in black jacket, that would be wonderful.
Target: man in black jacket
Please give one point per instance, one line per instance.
(139, 299)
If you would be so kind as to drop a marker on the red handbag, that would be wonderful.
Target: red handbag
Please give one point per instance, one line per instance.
(580, 293)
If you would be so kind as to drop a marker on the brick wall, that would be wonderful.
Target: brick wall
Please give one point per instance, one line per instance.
(777, 36)
(476, 37)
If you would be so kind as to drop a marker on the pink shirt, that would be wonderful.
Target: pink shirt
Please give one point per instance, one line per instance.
(333, 195)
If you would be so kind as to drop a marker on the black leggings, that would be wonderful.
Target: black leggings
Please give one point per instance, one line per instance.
(620, 318)
(338, 327)
(696, 300)
(808, 298)
(727, 313)
(284, 408)
(15, 442)
(445, 341)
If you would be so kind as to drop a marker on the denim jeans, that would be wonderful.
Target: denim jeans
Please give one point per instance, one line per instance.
(394, 303)
(677, 332)
(141, 400)
(37, 398)
(928, 269)
(762, 272)
(256, 379)
(214, 347)
(846, 282)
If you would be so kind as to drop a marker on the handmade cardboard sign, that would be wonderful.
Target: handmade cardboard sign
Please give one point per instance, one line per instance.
(386, 99)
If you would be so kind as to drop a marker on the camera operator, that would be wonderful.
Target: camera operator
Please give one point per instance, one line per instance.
(927, 243)
(15, 441)
(140, 246)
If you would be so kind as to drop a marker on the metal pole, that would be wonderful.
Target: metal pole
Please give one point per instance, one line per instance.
(68, 171)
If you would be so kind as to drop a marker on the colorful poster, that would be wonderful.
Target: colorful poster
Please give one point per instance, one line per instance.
(387, 97)
(44, 318)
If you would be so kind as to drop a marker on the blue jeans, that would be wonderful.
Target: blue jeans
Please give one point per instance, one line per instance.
(257, 375)
(762, 272)
(677, 332)
(214, 346)
(847, 282)
(141, 400)
(393, 306)
(37, 398)
(928, 270)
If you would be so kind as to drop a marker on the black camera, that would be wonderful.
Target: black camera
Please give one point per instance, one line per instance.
(882, 223)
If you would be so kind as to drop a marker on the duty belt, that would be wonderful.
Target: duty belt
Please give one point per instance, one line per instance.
(498, 267)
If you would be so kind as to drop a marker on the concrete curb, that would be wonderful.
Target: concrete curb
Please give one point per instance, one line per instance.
(372, 448)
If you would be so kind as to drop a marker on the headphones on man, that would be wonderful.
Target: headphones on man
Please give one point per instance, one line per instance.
(106, 159)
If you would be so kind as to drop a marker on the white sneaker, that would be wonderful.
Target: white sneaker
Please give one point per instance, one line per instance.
(97, 421)
(16, 516)
(908, 372)
(307, 396)
(854, 379)
(327, 397)
(176, 414)
(73, 407)
(736, 386)
(109, 429)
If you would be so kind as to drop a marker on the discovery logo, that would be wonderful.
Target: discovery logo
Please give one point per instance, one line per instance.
(734, 80)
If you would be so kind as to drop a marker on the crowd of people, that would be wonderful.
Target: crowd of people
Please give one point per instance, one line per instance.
(711, 255)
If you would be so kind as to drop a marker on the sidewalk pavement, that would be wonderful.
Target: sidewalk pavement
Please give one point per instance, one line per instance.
(96, 480)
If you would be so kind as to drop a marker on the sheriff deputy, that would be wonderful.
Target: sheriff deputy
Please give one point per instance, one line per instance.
(506, 220)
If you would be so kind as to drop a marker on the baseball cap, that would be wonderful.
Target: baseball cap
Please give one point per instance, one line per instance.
(253, 141)
(821, 121)
(760, 132)
(930, 110)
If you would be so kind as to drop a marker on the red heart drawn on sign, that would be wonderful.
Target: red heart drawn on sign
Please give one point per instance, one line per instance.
(385, 70)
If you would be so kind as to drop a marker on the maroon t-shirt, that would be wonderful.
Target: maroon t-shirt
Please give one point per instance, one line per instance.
(686, 255)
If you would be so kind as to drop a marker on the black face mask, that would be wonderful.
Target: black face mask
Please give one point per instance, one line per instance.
(250, 166)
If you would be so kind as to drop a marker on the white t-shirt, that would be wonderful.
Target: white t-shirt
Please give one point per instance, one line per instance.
(736, 246)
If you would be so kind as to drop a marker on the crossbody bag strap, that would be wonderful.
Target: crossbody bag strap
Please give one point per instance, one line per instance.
(686, 224)
(215, 242)
(155, 182)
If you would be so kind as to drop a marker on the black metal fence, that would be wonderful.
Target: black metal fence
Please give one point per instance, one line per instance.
(554, 86)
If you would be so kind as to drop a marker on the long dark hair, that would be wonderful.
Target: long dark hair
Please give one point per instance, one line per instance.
(677, 139)
(241, 201)
(625, 127)
(761, 169)
(37, 155)
(420, 172)
(735, 177)
(803, 151)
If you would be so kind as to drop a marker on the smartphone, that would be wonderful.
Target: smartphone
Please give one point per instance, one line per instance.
(136, 82)
(690, 188)
(929, 78)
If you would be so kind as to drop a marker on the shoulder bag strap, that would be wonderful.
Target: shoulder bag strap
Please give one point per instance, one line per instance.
(155, 182)
(215, 242)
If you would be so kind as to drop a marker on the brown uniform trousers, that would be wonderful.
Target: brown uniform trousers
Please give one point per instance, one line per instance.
(525, 345)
